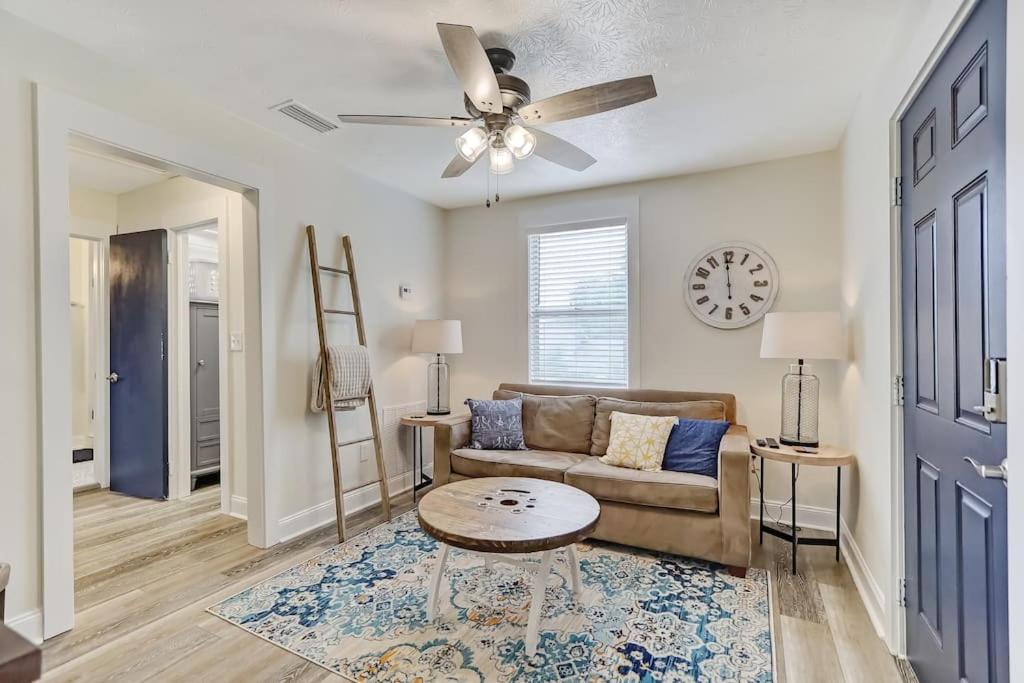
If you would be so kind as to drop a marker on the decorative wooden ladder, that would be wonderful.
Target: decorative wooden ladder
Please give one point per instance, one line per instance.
(325, 368)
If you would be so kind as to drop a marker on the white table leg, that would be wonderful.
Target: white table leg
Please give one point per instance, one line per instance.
(539, 583)
(435, 581)
(574, 569)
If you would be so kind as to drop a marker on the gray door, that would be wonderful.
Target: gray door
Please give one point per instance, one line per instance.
(953, 237)
(205, 389)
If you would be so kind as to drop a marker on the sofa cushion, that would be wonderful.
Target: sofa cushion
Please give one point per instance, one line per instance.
(693, 446)
(664, 489)
(638, 441)
(695, 410)
(496, 424)
(556, 423)
(550, 465)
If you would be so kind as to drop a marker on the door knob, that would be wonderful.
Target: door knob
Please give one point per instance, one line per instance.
(1000, 471)
(113, 378)
(201, 363)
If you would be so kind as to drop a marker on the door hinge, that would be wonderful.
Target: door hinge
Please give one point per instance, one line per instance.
(901, 599)
(897, 390)
(897, 191)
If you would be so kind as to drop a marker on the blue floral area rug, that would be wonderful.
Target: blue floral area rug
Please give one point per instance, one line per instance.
(359, 609)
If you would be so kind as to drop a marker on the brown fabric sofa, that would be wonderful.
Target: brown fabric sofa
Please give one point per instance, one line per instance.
(566, 430)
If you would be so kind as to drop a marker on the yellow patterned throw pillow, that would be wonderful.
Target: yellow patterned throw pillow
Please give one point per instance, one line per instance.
(638, 441)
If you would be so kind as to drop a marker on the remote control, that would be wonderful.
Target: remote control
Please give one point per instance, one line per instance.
(762, 443)
(772, 443)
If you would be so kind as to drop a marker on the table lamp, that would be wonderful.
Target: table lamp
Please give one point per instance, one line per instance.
(801, 336)
(438, 337)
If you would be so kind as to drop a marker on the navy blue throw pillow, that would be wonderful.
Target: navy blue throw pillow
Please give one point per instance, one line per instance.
(497, 425)
(693, 446)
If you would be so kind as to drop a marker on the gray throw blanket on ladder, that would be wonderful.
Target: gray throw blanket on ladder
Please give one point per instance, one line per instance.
(350, 378)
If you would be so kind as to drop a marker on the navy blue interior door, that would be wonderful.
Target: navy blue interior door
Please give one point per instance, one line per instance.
(953, 236)
(138, 364)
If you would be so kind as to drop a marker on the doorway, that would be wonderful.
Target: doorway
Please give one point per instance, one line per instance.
(149, 268)
(953, 292)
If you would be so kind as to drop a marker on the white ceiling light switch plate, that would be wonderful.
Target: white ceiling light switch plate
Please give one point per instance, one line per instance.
(235, 341)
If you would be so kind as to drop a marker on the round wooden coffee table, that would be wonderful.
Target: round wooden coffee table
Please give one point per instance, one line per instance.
(497, 516)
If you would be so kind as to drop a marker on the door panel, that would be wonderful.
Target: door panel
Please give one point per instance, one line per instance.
(138, 334)
(953, 237)
(205, 356)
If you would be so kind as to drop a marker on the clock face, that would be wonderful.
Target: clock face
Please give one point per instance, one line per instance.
(731, 285)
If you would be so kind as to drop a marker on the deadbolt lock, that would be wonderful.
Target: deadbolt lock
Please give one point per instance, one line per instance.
(994, 385)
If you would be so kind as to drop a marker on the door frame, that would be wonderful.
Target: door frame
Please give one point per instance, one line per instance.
(896, 636)
(179, 405)
(99, 325)
(58, 118)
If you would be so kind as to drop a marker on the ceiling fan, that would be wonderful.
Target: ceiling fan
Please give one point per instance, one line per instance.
(498, 105)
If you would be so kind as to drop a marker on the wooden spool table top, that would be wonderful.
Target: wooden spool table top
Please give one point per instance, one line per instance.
(508, 514)
(826, 456)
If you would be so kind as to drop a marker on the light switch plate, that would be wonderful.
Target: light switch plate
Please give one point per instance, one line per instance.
(235, 341)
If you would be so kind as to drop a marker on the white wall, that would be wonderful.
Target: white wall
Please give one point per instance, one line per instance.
(397, 238)
(81, 380)
(1015, 320)
(790, 207)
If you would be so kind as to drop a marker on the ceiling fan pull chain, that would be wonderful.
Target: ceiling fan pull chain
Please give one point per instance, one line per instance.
(488, 202)
(497, 187)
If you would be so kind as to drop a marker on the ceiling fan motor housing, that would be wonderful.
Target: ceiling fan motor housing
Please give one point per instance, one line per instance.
(514, 91)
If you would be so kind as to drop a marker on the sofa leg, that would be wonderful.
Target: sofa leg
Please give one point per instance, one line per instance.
(738, 572)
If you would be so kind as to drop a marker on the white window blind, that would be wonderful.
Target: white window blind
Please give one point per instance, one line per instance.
(579, 307)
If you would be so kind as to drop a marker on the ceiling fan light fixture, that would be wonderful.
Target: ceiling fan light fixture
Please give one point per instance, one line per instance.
(471, 144)
(519, 141)
(502, 160)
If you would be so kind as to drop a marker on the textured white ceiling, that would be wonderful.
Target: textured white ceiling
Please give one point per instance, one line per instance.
(738, 80)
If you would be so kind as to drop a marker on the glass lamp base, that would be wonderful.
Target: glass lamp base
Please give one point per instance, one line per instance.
(438, 396)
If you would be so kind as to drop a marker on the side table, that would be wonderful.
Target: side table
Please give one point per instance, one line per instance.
(418, 422)
(824, 456)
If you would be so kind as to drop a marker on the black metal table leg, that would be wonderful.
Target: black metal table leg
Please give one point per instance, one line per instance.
(760, 528)
(839, 499)
(793, 511)
(415, 431)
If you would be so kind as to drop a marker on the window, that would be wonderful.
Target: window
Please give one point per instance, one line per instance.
(579, 306)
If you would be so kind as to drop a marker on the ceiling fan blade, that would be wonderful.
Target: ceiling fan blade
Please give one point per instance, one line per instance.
(471, 65)
(458, 165)
(561, 152)
(456, 121)
(591, 100)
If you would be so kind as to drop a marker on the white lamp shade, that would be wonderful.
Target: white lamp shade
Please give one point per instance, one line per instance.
(437, 336)
(816, 335)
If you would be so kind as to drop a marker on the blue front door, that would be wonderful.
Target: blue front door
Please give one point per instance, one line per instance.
(953, 237)
(138, 364)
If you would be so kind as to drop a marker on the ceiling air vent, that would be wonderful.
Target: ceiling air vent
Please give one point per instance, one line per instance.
(305, 116)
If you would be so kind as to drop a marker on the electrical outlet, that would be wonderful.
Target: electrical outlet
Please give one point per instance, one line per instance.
(404, 291)
(235, 341)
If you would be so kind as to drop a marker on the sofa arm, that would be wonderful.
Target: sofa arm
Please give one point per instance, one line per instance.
(449, 435)
(734, 496)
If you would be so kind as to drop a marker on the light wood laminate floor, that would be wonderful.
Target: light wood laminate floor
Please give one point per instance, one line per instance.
(145, 572)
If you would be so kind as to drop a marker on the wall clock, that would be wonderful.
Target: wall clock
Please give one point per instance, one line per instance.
(731, 285)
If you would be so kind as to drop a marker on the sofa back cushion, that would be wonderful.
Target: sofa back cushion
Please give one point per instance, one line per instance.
(496, 425)
(556, 423)
(646, 395)
(694, 410)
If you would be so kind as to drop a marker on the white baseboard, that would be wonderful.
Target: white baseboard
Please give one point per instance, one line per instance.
(807, 516)
(870, 592)
(322, 514)
(29, 625)
(239, 507)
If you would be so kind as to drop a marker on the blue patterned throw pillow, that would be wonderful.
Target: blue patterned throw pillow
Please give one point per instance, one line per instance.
(693, 446)
(497, 425)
